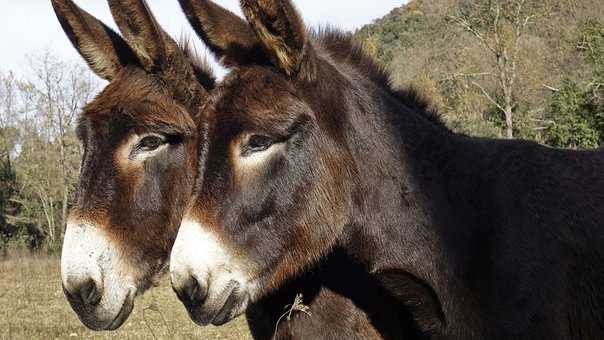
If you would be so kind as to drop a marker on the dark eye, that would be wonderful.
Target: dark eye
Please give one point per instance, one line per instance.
(151, 143)
(257, 143)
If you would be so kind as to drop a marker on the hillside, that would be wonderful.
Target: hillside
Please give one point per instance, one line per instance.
(462, 55)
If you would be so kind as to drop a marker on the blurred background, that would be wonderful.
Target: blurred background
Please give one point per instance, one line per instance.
(498, 68)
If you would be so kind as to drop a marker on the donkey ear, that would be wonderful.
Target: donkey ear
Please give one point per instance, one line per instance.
(138, 25)
(228, 36)
(282, 32)
(184, 73)
(104, 50)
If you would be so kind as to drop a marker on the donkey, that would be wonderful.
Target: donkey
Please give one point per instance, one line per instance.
(363, 310)
(140, 159)
(308, 151)
(139, 163)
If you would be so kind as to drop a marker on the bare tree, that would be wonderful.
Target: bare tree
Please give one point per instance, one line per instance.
(8, 97)
(62, 92)
(49, 153)
(500, 27)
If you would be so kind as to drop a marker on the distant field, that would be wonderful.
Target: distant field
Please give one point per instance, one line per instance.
(32, 306)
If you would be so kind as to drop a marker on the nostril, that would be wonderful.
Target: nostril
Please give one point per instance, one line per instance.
(90, 293)
(191, 293)
(86, 291)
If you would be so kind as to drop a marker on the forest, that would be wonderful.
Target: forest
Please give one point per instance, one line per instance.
(496, 68)
(502, 68)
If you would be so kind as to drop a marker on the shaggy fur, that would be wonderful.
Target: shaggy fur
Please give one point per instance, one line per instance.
(156, 87)
(479, 238)
(360, 311)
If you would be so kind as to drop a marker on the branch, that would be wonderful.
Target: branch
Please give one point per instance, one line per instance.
(468, 27)
(496, 24)
(467, 75)
(545, 121)
(488, 96)
(553, 89)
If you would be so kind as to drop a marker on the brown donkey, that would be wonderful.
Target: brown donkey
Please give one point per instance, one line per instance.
(137, 172)
(339, 310)
(139, 163)
(123, 260)
(309, 152)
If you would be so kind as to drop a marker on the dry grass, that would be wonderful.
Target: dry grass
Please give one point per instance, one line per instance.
(32, 306)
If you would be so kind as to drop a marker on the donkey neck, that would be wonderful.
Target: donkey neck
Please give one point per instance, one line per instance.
(401, 192)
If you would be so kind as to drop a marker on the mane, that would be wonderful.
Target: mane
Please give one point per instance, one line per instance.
(201, 66)
(346, 48)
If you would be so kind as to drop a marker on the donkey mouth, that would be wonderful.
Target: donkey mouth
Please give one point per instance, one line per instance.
(235, 304)
(220, 309)
(89, 317)
(124, 313)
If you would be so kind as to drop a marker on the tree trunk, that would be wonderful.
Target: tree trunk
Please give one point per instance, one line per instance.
(48, 214)
(64, 174)
(506, 81)
(508, 107)
(52, 221)
(64, 210)
(509, 122)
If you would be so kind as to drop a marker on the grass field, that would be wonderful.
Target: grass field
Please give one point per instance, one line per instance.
(32, 306)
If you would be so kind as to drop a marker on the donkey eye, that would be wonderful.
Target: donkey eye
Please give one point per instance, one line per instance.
(151, 143)
(257, 143)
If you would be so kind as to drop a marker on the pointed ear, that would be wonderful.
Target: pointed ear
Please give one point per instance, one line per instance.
(104, 50)
(140, 28)
(283, 33)
(228, 36)
(184, 73)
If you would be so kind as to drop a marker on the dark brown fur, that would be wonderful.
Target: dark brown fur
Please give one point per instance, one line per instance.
(479, 238)
(140, 207)
(155, 87)
(359, 311)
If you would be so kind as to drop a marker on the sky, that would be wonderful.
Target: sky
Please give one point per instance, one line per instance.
(30, 27)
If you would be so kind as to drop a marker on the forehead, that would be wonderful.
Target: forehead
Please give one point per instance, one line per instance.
(138, 101)
(254, 97)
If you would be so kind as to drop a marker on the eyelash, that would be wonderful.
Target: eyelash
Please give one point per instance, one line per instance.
(257, 143)
(151, 143)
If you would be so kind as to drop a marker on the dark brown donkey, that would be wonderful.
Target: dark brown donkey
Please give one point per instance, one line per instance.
(139, 163)
(138, 170)
(344, 301)
(308, 151)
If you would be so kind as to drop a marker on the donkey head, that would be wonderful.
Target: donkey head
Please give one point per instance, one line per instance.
(271, 198)
(140, 158)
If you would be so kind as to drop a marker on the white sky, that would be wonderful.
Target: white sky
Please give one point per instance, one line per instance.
(30, 26)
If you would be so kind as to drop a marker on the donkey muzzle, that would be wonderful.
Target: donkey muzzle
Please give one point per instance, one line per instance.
(95, 281)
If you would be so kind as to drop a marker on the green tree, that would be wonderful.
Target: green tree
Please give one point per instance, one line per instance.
(578, 111)
(577, 119)
(39, 152)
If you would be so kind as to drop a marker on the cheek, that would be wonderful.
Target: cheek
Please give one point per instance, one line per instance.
(264, 216)
(130, 174)
(163, 182)
(153, 198)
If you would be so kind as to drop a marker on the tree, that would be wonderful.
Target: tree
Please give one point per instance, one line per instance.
(8, 188)
(577, 119)
(39, 152)
(578, 109)
(12, 226)
(591, 45)
(500, 27)
(50, 152)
